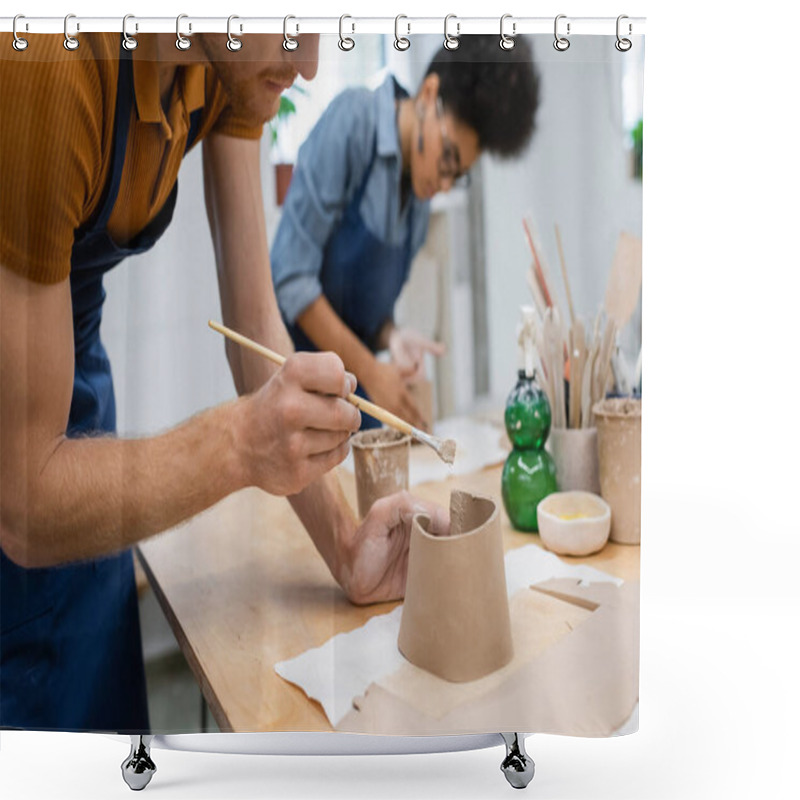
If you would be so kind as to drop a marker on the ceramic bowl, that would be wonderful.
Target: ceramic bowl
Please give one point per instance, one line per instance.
(574, 523)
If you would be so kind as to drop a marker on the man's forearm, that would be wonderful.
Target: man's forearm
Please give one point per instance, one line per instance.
(95, 496)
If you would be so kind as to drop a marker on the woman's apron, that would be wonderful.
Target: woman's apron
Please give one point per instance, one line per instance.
(361, 277)
(70, 644)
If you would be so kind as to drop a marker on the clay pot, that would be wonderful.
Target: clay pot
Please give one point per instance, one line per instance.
(456, 622)
(381, 463)
(619, 450)
(422, 393)
(574, 452)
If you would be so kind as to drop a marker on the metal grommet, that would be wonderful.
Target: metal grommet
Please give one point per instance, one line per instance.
(506, 41)
(451, 42)
(128, 42)
(234, 44)
(561, 43)
(623, 45)
(182, 43)
(345, 42)
(290, 43)
(18, 44)
(401, 43)
(70, 42)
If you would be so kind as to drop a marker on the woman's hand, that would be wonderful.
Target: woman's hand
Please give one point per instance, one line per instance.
(408, 347)
(373, 563)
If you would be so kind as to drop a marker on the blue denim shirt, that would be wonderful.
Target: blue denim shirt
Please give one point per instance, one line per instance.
(330, 167)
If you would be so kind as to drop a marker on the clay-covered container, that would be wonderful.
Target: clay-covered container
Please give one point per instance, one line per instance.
(619, 451)
(380, 457)
(574, 452)
(456, 622)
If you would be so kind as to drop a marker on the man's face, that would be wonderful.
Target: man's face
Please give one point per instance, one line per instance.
(449, 147)
(256, 75)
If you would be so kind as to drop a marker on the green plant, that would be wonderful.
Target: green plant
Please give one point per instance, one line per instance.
(637, 139)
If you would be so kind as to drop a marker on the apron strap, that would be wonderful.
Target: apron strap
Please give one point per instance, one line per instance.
(122, 119)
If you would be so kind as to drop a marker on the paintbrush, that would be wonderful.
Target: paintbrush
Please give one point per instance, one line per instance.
(445, 448)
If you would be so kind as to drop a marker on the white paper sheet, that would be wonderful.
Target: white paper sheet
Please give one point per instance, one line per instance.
(342, 668)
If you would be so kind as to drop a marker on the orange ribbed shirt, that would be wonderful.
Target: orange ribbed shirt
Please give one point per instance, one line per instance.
(56, 141)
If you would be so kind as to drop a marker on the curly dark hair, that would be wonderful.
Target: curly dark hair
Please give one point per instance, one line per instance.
(494, 91)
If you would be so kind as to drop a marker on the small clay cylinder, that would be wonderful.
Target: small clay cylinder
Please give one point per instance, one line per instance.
(619, 450)
(381, 464)
(456, 622)
(422, 393)
(574, 452)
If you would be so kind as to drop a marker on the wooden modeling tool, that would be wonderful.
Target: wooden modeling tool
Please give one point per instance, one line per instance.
(565, 276)
(445, 449)
(537, 265)
(536, 292)
(624, 280)
(578, 359)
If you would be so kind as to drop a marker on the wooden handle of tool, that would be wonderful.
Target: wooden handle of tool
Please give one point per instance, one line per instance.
(382, 414)
(377, 412)
(275, 358)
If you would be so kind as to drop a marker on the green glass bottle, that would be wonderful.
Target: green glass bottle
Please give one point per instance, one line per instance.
(529, 474)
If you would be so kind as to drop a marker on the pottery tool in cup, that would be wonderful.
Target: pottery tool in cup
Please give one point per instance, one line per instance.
(565, 276)
(445, 449)
(625, 280)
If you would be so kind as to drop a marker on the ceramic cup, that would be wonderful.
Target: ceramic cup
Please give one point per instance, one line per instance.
(619, 450)
(456, 623)
(380, 457)
(574, 523)
(574, 453)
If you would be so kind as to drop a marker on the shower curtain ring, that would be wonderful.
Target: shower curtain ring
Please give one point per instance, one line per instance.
(623, 45)
(506, 41)
(128, 42)
(401, 43)
(345, 42)
(19, 43)
(182, 43)
(70, 42)
(234, 44)
(561, 43)
(290, 43)
(451, 42)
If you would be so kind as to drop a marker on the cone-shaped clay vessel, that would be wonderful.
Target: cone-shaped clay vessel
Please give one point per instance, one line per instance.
(619, 447)
(456, 622)
(380, 457)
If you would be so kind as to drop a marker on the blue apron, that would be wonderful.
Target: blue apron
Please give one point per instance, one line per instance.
(70, 644)
(361, 277)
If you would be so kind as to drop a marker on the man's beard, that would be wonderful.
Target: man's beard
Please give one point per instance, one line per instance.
(249, 97)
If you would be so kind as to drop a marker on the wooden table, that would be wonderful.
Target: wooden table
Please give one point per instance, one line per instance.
(243, 588)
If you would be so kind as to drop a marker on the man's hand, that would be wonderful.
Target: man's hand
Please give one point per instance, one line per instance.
(408, 348)
(297, 426)
(374, 562)
(387, 385)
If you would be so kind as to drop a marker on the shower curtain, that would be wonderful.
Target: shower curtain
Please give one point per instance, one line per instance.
(460, 222)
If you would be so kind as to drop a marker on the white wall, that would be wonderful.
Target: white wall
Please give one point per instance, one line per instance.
(166, 362)
(576, 174)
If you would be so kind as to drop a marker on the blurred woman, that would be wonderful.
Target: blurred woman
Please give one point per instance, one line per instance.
(357, 209)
